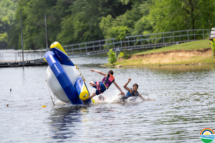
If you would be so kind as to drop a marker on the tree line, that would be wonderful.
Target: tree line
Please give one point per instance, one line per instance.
(75, 21)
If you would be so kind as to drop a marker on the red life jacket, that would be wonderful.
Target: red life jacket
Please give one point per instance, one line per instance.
(108, 80)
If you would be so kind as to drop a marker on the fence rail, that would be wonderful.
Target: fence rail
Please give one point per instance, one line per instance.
(136, 47)
(140, 41)
(16, 55)
(147, 41)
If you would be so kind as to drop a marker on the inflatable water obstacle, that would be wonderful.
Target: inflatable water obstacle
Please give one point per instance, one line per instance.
(64, 78)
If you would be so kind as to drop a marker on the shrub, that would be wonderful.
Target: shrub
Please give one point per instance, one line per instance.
(112, 56)
(121, 55)
(127, 54)
(213, 47)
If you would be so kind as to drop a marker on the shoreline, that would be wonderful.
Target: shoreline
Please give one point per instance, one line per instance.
(127, 66)
(202, 56)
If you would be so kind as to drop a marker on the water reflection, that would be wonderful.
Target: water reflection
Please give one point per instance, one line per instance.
(184, 105)
(63, 122)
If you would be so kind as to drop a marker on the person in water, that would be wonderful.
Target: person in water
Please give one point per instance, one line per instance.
(132, 92)
(102, 86)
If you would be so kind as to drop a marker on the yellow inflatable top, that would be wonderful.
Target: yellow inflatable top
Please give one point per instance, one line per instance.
(58, 46)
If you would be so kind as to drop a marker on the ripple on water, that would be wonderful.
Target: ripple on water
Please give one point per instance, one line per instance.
(183, 106)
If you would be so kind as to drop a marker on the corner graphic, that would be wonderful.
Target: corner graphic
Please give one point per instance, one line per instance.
(207, 135)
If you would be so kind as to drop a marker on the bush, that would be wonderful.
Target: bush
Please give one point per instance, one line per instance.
(126, 54)
(121, 55)
(112, 56)
(213, 47)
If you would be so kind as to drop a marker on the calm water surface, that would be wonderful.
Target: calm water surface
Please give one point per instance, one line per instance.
(184, 105)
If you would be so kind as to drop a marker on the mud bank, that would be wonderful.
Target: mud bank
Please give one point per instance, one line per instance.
(175, 57)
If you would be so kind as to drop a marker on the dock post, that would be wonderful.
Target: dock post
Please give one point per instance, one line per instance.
(46, 34)
(22, 40)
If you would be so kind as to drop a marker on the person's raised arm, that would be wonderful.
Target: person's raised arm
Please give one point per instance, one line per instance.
(142, 97)
(122, 93)
(104, 74)
(125, 86)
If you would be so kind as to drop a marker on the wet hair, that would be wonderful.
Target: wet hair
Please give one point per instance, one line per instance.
(101, 98)
(135, 85)
(110, 72)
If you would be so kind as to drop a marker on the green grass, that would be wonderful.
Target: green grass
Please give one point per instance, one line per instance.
(195, 45)
(185, 46)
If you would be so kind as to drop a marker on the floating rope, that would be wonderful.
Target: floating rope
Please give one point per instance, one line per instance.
(50, 94)
(80, 72)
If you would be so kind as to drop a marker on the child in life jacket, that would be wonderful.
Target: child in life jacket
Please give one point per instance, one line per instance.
(132, 92)
(102, 86)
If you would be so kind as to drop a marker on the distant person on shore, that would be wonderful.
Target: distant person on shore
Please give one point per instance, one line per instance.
(132, 92)
(102, 86)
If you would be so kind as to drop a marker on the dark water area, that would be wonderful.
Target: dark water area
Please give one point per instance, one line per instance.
(183, 106)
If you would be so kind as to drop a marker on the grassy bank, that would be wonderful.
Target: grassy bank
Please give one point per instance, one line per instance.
(185, 46)
(197, 52)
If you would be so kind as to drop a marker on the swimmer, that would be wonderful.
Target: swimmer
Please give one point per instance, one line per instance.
(102, 86)
(101, 98)
(132, 92)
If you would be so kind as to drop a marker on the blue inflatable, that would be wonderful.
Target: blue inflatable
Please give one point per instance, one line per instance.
(64, 78)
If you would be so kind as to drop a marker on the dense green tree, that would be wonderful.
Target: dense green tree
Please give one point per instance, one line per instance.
(74, 21)
(128, 19)
(68, 21)
(119, 32)
(7, 17)
(168, 15)
(83, 23)
(33, 16)
(143, 25)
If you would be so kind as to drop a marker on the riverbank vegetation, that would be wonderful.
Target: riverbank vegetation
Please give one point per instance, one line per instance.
(75, 21)
(197, 52)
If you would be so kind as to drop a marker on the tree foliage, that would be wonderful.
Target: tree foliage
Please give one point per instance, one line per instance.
(119, 32)
(74, 21)
(67, 21)
(168, 15)
(7, 17)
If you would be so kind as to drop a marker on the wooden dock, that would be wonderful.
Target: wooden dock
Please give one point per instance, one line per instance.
(38, 62)
(13, 58)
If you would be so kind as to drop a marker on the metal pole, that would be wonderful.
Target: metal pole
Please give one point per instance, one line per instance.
(141, 40)
(203, 34)
(194, 35)
(187, 36)
(46, 34)
(100, 45)
(163, 38)
(208, 33)
(173, 37)
(22, 40)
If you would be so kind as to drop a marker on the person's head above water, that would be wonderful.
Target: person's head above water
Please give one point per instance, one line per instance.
(135, 87)
(110, 72)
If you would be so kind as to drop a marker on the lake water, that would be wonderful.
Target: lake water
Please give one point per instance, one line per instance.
(184, 105)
